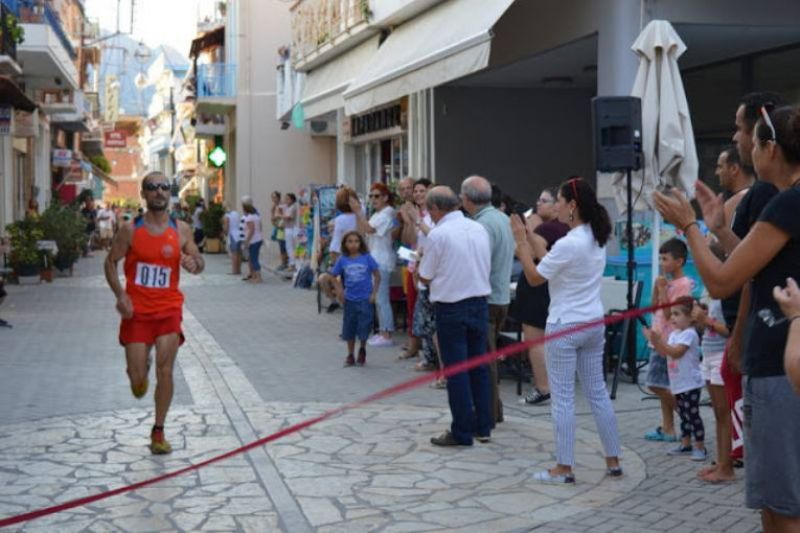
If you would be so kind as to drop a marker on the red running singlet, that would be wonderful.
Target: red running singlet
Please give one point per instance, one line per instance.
(152, 270)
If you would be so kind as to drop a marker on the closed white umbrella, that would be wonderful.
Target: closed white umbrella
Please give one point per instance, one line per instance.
(670, 156)
(668, 148)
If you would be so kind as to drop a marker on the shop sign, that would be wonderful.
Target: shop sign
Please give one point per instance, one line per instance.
(6, 118)
(381, 119)
(115, 139)
(62, 158)
(26, 124)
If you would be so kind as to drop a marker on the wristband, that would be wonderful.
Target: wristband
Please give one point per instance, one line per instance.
(690, 224)
(792, 319)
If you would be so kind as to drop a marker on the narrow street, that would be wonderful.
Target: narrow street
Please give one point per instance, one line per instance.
(259, 358)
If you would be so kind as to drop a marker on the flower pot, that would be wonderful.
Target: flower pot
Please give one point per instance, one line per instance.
(24, 270)
(47, 275)
(213, 246)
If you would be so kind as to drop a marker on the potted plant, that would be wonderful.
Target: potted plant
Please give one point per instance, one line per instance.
(25, 257)
(10, 24)
(211, 220)
(65, 226)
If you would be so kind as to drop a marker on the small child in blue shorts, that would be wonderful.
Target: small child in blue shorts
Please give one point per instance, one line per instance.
(361, 276)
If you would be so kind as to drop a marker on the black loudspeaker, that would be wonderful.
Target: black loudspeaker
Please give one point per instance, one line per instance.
(617, 122)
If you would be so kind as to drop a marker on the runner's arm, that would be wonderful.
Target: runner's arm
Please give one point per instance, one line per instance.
(120, 245)
(191, 259)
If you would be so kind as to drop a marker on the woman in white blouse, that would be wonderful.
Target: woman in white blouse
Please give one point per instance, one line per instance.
(573, 268)
(378, 230)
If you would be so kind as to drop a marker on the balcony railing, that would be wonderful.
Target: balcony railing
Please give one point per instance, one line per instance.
(12, 6)
(8, 46)
(316, 23)
(216, 80)
(31, 13)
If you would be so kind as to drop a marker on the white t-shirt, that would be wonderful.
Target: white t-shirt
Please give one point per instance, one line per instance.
(196, 224)
(342, 225)
(256, 220)
(420, 246)
(104, 219)
(684, 372)
(457, 259)
(289, 211)
(380, 242)
(573, 269)
(233, 225)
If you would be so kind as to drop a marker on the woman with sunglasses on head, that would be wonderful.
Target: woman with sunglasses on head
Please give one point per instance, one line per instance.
(530, 303)
(765, 258)
(378, 230)
(573, 269)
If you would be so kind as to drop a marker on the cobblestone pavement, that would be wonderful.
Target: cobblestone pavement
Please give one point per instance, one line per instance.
(259, 358)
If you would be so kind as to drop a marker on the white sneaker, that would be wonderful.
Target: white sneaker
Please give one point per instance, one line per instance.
(380, 342)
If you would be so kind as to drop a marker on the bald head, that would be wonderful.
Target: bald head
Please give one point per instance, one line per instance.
(476, 192)
(442, 199)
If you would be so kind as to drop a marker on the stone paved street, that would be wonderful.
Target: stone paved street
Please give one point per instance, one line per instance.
(259, 358)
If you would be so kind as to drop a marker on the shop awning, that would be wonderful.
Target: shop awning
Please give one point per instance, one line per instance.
(11, 94)
(324, 86)
(450, 41)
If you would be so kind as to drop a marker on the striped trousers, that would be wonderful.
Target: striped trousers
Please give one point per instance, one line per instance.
(580, 352)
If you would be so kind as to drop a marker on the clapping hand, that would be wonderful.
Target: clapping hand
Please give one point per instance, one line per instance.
(788, 298)
(711, 205)
(675, 208)
(521, 237)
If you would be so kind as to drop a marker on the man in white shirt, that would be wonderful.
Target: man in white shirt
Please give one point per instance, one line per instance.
(456, 263)
(105, 226)
(230, 225)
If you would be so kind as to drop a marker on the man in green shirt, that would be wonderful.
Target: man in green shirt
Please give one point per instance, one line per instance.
(476, 196)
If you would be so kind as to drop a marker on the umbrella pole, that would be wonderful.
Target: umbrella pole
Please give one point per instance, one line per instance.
(629, 326)
(630, 347)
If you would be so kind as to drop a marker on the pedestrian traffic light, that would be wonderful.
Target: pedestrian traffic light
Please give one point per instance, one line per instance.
(217, 157)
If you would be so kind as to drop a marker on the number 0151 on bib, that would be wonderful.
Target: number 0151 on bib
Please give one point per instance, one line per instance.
(152, 276)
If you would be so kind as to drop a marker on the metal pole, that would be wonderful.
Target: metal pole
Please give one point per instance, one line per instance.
(631, 339)
(172, 129)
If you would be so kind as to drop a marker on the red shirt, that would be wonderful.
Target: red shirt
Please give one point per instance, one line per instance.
(152, 270)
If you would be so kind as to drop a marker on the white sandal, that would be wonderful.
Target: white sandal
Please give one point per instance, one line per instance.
(546, 477)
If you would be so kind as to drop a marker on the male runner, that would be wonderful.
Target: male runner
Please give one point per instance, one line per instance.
(154, 246)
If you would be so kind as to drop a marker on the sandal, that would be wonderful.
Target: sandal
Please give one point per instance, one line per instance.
(407, 355)
(424, 366)
(440, 383)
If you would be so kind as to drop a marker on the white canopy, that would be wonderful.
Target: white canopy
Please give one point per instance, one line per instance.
(450, 41)
(322, 92)
(667, 136)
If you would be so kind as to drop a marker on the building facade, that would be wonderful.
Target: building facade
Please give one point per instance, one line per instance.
(45, 61)
(236, 103)
(445, 89)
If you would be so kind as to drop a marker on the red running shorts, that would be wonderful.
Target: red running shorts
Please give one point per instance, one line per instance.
(147, 328)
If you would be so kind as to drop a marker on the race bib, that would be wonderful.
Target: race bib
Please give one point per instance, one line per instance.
(152, 276)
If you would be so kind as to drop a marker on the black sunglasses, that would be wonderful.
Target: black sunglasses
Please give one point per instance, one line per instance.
(152, 187)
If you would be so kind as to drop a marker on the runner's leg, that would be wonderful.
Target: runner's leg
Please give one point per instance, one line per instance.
(136, 357)
(166, 351)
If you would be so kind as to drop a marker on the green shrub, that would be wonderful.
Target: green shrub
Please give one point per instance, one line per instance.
(66, 226)
(211, 220)
(23, 235)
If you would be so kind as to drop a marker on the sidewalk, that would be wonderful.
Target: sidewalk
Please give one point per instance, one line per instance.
(258, 358)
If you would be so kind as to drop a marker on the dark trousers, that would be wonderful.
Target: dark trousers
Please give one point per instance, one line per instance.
(497, 317)
(461, 327)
